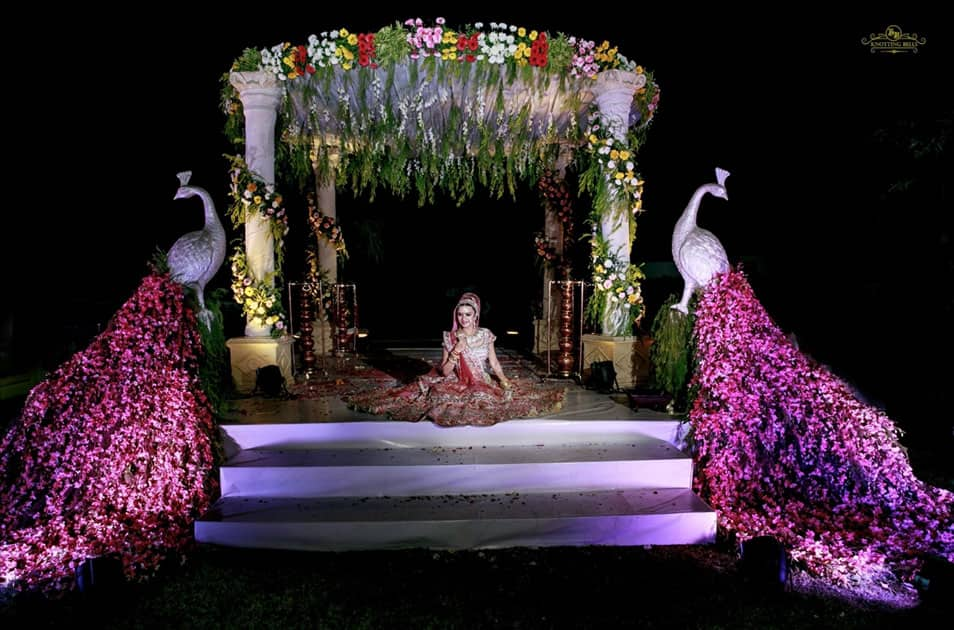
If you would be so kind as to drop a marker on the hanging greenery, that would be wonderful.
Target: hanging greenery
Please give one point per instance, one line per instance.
(670, 355)
(418, 107)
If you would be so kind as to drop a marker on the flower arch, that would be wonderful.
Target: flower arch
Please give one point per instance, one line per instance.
(420, 108)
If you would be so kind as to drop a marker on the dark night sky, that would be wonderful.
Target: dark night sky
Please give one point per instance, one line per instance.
(789, 107)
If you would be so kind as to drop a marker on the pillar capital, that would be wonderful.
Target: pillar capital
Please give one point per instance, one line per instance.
(613, 94)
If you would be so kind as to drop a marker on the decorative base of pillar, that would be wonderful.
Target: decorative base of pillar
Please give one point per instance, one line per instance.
(251, 353)
(630, 357)
(540, 336)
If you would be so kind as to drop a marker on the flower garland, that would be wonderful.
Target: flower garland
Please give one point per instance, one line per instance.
(612, 177)
(251, 196)
(326, 228)
(261, 300)
(615, 282)
(546, 252)
(499, 43)
(556, 198)
(318, 278)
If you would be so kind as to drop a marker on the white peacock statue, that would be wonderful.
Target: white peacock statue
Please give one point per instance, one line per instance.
(196, 256)
(698, 254)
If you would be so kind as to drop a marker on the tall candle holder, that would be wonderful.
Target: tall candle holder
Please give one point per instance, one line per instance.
(566, 362)
(344, 313)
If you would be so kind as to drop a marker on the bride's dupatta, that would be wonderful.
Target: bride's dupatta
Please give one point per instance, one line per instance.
(464, 368)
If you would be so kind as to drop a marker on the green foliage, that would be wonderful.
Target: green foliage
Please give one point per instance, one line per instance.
(671, 352)
(214, 374)
(561, 52)
(159, 262)
(391, 45)
(249, 61)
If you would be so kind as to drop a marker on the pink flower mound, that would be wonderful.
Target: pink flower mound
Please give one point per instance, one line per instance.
(113, 452)
(786, 449)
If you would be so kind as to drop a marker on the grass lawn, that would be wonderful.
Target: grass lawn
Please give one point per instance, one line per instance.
(588, 587)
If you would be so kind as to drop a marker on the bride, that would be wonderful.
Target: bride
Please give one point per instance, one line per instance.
(468, 387)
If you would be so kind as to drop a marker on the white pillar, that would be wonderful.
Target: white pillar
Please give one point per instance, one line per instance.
(261, 94)
(327, 255)
(613, 94)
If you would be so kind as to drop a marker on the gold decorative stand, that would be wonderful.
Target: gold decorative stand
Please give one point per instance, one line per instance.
(566, 361)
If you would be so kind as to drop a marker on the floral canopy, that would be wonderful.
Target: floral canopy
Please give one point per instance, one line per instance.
(430, 108)
(442, 109)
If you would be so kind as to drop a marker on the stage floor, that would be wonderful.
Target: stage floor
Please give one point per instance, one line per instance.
(337, 377)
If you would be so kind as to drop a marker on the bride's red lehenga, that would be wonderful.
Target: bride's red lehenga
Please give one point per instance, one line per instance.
(468, 396)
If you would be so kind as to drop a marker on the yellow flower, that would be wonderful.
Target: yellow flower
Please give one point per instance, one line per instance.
(449, 38)
(521, 32)
(343, 33)
(619, 176)
(533, 36)
(257, 199)
(614, 154)
(593, 139)
(624, 154)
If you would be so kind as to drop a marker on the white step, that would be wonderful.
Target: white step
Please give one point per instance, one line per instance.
(401, 470)
(608, 517)
(271, 434)
(314, 475)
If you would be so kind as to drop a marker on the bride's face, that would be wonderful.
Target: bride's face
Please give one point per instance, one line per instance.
(465, 317)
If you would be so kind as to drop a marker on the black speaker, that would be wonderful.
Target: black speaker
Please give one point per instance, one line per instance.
(270, 382)
(764, 562)
(603, 377)
(99, 575)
